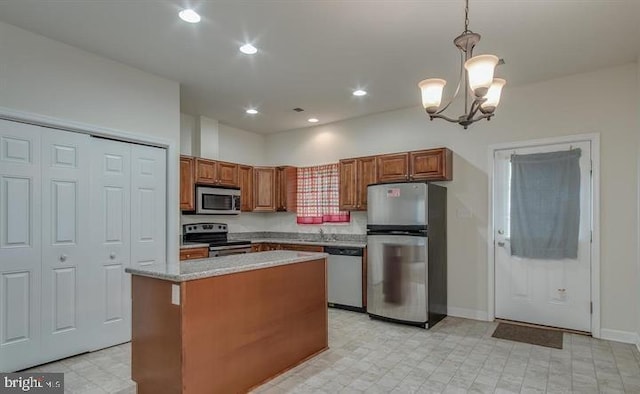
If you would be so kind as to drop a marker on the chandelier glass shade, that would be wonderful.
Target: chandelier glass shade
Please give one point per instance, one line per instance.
(477, 74)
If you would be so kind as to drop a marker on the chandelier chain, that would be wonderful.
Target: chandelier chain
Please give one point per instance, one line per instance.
(466, 16)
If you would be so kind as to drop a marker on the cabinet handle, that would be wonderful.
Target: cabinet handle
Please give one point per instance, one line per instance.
(63, 257)
(112, 256)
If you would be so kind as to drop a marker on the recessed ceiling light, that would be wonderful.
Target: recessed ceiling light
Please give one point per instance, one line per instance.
(359, 92)
(252, 111)
(313, 120)
(189, 15)
(248, 49)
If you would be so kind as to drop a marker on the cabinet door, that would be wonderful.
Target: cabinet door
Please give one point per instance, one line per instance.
(348, 194)
(264, 195)
(393, 167)
(194, 253)
(187, 183)
(287, 186)
(206, 171)
(20, 246)
(67, 275)
(432, 164)
(302, 248)
(227, 174)
(245, 181)
(366, 175)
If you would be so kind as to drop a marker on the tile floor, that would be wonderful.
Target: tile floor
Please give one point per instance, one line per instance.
(456, 356)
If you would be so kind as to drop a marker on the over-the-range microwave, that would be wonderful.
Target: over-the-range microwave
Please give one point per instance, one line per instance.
(217, 200)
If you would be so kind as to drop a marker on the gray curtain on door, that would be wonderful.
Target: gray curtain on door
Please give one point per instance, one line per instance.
(545, 205)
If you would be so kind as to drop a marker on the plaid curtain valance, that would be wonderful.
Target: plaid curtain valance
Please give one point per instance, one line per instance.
(318, 195)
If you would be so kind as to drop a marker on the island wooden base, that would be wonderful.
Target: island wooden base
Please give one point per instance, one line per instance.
(230, 332)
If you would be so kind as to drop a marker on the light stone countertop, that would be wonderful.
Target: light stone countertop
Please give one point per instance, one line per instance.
(303, 242)
(216, 266)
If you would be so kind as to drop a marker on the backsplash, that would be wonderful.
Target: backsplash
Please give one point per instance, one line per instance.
(312, 237)
(279, 222)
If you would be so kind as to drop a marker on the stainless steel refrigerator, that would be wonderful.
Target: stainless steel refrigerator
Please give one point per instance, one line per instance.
(407, 252)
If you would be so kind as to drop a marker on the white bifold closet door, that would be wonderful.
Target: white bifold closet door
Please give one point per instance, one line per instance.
(128, 200)
(75, 211)
(148, 206)
(20, 252)
(67, 269)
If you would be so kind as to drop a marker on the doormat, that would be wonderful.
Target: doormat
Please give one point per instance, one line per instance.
(532, 335)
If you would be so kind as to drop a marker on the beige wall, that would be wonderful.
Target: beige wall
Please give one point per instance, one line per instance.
(604, 102)
(47, 77)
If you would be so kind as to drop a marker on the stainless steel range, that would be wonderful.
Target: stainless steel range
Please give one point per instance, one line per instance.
(215, 234)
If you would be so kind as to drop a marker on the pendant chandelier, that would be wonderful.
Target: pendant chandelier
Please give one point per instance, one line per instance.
(479, 83)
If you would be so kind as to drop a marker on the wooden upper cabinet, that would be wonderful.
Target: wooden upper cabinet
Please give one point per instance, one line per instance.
(227, 174)
(367, 175)
(245, 181)
(211, 172)
(264, 189)
(205, 171)
(355, 176)
(348, 196)
(431, 165)
(286, 188)
(393, 167)
(187, 181)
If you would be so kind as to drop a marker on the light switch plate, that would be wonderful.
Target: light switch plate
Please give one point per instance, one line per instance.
(175, 294)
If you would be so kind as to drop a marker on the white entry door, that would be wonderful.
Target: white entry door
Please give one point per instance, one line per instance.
(547, 292)
(111, 230)
(67, 272)
(19, 245)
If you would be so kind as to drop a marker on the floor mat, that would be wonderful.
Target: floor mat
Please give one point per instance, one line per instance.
(532, 335)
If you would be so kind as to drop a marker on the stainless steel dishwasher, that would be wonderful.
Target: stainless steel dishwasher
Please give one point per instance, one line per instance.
(344, 277)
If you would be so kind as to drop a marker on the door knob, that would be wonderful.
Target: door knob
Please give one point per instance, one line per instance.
(112, 256)
(501, 244)
(63, 257)
(500, 232)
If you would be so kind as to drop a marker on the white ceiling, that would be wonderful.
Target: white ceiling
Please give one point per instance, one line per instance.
(312, 54)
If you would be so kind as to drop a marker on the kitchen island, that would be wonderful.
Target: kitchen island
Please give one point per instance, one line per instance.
(226, 324)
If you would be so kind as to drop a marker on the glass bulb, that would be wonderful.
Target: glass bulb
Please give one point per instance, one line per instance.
(480, 70)
(493, 96)
(431, 93)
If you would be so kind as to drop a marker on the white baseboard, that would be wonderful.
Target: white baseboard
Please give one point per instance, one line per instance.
(467, 313)
(619, 336)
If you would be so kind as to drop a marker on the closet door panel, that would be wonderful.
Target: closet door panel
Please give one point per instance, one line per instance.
(67, 295)
(111, 241)
(20, 245)
(148, 206)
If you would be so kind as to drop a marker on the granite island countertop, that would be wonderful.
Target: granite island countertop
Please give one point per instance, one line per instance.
(216, 266)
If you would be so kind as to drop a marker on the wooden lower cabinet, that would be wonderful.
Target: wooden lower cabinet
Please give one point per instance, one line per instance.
(302, 248)
(227, 333)
(194, 253)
